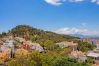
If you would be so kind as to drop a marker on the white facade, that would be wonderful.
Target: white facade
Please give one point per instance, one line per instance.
(94, 53)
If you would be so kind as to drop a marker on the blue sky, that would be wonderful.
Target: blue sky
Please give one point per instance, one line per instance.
(60, 16)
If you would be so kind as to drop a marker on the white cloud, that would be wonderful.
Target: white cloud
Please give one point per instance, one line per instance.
(95, 1)
(54, 2)
(70, 30)
(76, 31)
(59, 2)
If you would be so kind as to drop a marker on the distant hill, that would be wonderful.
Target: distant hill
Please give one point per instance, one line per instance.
(78, 35)
(84, 36)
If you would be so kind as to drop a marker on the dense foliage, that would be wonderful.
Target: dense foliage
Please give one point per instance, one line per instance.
(84, 46)
(44, 59)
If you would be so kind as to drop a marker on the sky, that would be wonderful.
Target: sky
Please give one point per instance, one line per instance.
(59, 16)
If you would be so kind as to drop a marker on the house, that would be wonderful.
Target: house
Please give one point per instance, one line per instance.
(37, 47)
(79, 55)
(66, 44)
(19, 39)
(94, 53)
(8, 45)
(28, 45)
(25, 46)
(93, 41)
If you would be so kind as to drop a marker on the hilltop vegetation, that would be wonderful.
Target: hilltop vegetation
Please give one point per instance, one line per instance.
(37, 35)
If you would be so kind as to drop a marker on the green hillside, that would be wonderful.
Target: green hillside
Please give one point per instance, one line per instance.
(35, 34)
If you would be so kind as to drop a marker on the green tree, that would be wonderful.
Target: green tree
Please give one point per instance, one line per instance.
(84, 46)
(65, 61)
(36, 56)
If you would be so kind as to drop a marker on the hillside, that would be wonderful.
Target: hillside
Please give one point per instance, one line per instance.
(33, 46)
(37, 35)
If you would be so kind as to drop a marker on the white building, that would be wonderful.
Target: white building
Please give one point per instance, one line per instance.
(37, 47)
(67, 44)
(8, 45)
(94, 54)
